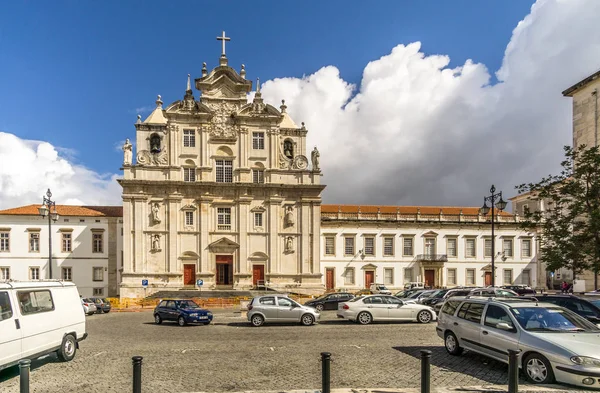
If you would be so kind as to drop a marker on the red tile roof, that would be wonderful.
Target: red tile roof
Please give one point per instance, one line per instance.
(65, 210)
(449, 210)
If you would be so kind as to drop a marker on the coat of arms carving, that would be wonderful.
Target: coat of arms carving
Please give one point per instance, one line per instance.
(222, 125)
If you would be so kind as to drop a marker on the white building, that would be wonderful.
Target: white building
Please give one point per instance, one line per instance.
(86, 246)
(440, 246)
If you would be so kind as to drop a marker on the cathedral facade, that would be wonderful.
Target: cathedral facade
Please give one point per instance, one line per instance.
(221, 192)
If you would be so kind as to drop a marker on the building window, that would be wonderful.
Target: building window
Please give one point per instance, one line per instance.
(388, 276)
(189, 218)
(329, 245)
(451, 248)
(4, 241)
(388, 246)
(258, 219)
(224, 218)
(408, 246)
(349, 246)
(369, 246)
(66, 242)
(488, 247)
(349, 276)
(34, 242)
(408, 275)
(98, 243)
(451, 276)
(4, 273)
(98, 291)
(67, 274)
(98, 274)
(470, 250)
(470, 276)
(258, 140)
(526, 248)
(507, 277)
(526, 277)
(189, 138)
(34, 273)
(189, 174)
(507, 247)
(258, 176)
(224, 171)
(430, 246)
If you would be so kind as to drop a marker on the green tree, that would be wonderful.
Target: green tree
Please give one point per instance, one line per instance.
(569, 224)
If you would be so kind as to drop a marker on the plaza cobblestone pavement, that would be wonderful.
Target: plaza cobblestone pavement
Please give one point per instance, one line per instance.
(231, 356)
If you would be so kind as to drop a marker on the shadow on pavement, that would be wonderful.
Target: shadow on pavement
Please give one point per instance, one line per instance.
(13, 372)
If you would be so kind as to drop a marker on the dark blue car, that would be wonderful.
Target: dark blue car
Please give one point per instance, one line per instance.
(183, 311)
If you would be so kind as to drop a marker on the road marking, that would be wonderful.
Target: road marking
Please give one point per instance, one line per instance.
(99, 353)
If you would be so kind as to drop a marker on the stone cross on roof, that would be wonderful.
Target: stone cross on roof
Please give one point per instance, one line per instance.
(223, 39)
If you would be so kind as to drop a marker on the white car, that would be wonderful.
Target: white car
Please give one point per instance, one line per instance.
(367, 309)
(89, 307)
(380, 288)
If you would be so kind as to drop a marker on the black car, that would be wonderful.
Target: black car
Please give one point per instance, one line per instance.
(436, 298)
(329, 301)
(588, 308)
(521, 290)
(102, 304)
(406, 293)
(183, 311)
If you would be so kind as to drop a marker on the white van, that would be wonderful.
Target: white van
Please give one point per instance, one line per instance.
(37, 318)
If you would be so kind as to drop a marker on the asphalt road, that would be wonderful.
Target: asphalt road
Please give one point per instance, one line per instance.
(229, 355)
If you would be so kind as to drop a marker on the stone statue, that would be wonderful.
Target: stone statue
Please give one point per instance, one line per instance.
(155, 242)
(315, 159)
(289, 244)
(155, 210)
(289, 217)
(288, 149)
(127, 152)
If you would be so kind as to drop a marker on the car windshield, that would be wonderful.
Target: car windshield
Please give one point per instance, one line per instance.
(439, 294)
(186, 304)
(551, 319)
(595, 302)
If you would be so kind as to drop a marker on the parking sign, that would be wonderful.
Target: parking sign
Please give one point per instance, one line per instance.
(200, 282)
(144, 283)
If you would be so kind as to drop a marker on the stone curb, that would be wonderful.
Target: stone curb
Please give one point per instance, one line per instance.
(463, 389)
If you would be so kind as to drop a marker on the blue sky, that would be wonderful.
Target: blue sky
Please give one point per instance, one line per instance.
(73, 72)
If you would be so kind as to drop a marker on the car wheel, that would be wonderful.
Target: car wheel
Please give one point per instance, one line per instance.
(319, 307)
(451, 344)
(424, 317)
(181, 321)
(257, 320)
(67, 348)
(364, 318)
(157, 319)
(538, 369)
(307, 319)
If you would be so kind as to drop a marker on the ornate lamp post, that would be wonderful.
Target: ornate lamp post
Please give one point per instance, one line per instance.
(45, 211)
(500, 205)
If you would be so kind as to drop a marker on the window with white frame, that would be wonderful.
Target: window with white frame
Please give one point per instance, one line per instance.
(388, 246)
(507, 247)
(189, 218)
(526, 277)
(451, 276)
(224, 218)
(408, 247)
(258, 176)
(349, 276)
(34, 242)
(258, 140)
(4, 241)
(67, 273)
(258, 219)
(470, 250)
(329, 245)
(430, 246)
(4, 273)
(98, 242)
(408, 275)
(487, 247)
(470, 276)
(369, 245)
(189, 174)
(34, 273)
(451, 247)
(388, 276)
(98, 291)
(349, 245)
(98, 274)
(224, 171)
(67, 245)
(508, 277)
(526, 248)
(189, 138)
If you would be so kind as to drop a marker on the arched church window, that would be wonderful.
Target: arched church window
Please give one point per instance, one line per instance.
(155, 143)
(288, 149)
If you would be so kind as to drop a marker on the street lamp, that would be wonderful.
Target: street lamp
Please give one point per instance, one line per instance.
(48, 209)
(500, 205)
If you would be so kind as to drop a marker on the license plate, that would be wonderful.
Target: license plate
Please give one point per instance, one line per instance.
(204, 317)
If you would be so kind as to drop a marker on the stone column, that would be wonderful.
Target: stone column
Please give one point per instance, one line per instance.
(128, 243)
(204, 227)
(304, 230)
(139, 243)
(173, 206)
(273, 218)
(243, 251)
(315, 266)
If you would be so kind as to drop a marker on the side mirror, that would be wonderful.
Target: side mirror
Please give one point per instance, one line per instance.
(505, 326)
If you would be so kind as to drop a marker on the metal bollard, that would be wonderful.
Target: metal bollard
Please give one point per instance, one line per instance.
(425, 371)
(325, 372)
(137, 374)
(513, 371)
(24, 366)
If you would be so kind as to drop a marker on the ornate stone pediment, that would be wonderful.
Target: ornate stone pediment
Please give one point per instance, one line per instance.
(222, 125)
(223, 82)
(223, 245)
(430, 234)
(258, 209)
(369, 266)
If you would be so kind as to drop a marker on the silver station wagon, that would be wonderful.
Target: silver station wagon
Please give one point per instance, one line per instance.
(280, 309)
(554, 343)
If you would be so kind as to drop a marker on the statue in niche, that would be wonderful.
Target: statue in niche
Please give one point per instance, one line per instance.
(315, 159)
(289, 244)
(155, 242)
(127, 152)
(155, 210)
(289, 217)
(154, 143)
(288, 149)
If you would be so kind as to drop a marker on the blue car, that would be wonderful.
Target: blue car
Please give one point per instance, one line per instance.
(183, 311)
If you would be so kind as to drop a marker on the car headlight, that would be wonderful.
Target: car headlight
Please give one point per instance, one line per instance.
(208, 313)
(585, 361)
(194, 314)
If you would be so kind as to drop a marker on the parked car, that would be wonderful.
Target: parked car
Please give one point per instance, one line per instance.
(89, 307)
(437, 297)
(451, 293)
(102, 304)
(37, 318)
(589, 308)
(521, 289)
(416, 285)
(419, 296)
(493, 292)
(553, 343)
(379, 288)
(183, 311)
(372, 308)
(329, 301)
(280, 308)
(405, 294)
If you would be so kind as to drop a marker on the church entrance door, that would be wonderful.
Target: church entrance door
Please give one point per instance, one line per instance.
(258, 275)
(189, 275)
(224, 269)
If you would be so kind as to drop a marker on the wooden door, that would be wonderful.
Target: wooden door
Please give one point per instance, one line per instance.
(224, 269)
(258, 274)
(430, 278)
(488, 278)
(369, 278)
(189, 275)
(329, 279)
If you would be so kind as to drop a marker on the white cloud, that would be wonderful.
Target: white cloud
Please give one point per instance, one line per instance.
(28, 168)
(418, 132)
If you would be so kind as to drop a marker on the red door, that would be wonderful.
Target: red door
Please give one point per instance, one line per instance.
(429, 278)
(224, 269)
(369, 278)
(488, 278)
(329, 279)
(189, 274)
(258, 274)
